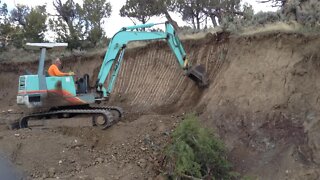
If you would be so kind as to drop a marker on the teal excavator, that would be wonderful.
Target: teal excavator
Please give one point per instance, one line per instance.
(62, 97)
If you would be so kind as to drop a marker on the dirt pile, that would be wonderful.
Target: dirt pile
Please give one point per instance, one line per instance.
(262, 100)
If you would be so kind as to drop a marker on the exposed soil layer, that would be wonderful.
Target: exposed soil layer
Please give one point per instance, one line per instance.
(263, 101)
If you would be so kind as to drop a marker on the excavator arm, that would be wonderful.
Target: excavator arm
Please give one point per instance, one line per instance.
(117, 47)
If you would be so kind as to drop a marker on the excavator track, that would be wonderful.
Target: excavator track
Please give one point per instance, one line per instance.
(116, 111)
(102, 117)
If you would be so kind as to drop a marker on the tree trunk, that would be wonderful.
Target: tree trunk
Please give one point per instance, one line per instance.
(143, 22)
(194, 24)
(198, 23)
(171, 21)
(214, 21)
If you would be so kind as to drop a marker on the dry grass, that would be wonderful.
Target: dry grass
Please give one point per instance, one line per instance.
(198, 35)
(272, 28)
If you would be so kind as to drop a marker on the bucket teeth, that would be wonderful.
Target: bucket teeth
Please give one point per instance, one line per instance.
(198, 74)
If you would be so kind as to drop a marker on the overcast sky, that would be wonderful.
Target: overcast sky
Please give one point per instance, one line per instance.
(115, 22)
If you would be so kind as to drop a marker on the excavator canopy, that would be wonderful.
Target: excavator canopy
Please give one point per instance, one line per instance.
(37, 46)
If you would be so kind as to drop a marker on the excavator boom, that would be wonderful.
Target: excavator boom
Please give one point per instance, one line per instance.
(117, 47)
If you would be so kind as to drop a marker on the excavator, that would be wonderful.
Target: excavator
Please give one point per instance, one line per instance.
(62, 97)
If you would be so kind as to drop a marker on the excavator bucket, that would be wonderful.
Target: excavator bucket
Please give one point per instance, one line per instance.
(198, 74)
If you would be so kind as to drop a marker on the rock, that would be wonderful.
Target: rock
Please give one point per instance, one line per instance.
(166, 133)
(60, 162)
(51, 172)
(113, 158)
(100, 160)
(143, 148)
(287, 171)
(76, 143)
(142, 163)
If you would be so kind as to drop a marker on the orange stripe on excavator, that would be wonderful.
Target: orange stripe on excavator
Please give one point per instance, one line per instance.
(71, 98)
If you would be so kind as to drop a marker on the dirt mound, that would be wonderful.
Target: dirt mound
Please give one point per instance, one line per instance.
(262, 99)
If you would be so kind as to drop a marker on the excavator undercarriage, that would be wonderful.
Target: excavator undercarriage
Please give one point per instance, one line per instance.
(102, 116)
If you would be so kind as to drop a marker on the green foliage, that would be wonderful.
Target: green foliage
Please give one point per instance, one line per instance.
(191, 11)
(23, 25)
(69, 25)
(306, 12)
(248, 12)
(19, 13)
(94, 12)
(196, 152)
(142, 10)
(80, 26)
(266, 17)
(195, 12)
(262, 18)
(3, 11)
(5, 27)
(35, 24)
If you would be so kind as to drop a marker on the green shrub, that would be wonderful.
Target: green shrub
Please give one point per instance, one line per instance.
(305, 12)
(266, 17)
(196, 153)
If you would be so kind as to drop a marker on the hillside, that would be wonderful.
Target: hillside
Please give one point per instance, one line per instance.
(262, 101)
